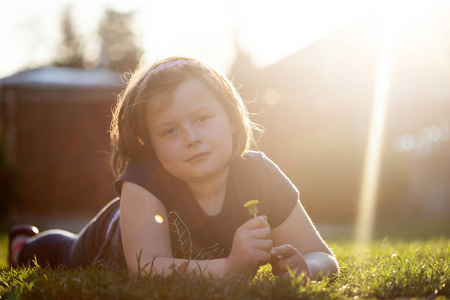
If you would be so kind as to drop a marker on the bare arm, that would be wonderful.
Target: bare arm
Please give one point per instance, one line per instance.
(298, 245)
(146, 236)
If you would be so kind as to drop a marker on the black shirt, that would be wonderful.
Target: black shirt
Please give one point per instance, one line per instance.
(196, 235)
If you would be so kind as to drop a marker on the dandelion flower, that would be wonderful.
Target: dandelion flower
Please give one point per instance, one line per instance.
(252, 207)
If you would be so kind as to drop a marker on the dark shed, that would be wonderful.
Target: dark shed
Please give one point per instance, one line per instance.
(56, 122)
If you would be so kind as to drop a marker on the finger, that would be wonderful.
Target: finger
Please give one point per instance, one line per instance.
(284, 250)
(279, 267)
(265, 245)
(261, 233)
(261, 257)
(258, 222)
(283, 266)
(266, 219)
(295, 264)
(275, 259)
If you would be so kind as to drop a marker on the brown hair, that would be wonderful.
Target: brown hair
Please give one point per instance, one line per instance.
(129, 133)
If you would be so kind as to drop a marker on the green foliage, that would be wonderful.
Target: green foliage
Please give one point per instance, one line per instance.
(383, 270)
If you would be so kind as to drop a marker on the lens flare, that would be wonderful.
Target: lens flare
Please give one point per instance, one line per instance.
(159, 219)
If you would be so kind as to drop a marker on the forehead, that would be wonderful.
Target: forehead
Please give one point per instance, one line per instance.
(189, 96)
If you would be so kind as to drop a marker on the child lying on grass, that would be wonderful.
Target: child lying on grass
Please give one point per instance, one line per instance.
(181, 137)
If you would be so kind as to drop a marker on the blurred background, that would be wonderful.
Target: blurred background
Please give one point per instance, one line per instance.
(311, 70)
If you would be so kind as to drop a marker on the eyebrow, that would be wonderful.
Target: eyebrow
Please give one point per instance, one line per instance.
(202, 107)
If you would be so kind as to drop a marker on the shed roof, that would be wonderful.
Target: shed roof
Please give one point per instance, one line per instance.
(62, 77)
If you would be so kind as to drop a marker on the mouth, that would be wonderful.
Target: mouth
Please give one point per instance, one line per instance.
(198, 156)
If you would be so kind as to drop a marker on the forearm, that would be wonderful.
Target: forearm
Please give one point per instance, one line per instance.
(321, 263)
(166, 266)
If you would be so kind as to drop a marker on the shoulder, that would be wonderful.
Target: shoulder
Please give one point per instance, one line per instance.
(262, 179)
(250, 156)
(252, 159)
(256, 169)
(148, 174)
(258, 163)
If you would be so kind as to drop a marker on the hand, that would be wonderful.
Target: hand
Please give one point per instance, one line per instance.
(287, 257)
(251, 247)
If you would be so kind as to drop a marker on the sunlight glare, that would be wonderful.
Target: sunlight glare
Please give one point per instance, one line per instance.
(368, 194)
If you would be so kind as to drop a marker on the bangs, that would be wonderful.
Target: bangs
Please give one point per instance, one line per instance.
(157, 104)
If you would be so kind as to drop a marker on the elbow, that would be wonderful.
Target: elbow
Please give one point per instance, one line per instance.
(323, 265)
(333, 268)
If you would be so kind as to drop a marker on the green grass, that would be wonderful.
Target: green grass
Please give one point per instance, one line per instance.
(385, 269)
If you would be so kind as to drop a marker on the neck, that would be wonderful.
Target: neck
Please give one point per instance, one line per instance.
(210, 193)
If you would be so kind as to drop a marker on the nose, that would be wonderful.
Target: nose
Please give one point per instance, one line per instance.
(192, 137)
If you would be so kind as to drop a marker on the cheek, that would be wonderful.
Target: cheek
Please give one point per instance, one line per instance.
(165, 151)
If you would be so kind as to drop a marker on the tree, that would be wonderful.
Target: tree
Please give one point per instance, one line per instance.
(71, 51)
(119, 48)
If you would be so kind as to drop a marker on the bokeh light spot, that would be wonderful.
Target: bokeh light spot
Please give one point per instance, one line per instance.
(272, 96)
(159, 219)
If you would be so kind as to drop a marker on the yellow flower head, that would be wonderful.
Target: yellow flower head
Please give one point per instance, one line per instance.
(252, 207)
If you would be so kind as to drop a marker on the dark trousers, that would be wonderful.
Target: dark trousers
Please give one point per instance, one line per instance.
(94, 244)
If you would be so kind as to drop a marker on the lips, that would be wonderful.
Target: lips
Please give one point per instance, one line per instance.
(198, 156)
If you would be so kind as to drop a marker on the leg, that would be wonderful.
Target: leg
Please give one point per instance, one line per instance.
(90, 246)
(53, 247)
(99, 241)
(17, 238)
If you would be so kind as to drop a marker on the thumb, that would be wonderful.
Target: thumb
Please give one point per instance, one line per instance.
(266, 219)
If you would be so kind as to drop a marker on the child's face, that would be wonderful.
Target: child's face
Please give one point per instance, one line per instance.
(192, 138)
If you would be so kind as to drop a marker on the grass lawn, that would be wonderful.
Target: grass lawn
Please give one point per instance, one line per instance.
(385, 269)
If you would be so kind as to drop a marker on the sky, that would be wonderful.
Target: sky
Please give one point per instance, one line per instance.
(205, 29)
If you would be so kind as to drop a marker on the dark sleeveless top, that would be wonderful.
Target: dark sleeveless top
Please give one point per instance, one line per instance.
(193, 233)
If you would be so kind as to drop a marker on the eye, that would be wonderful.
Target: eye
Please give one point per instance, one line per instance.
(203, 118)
(169, 131)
